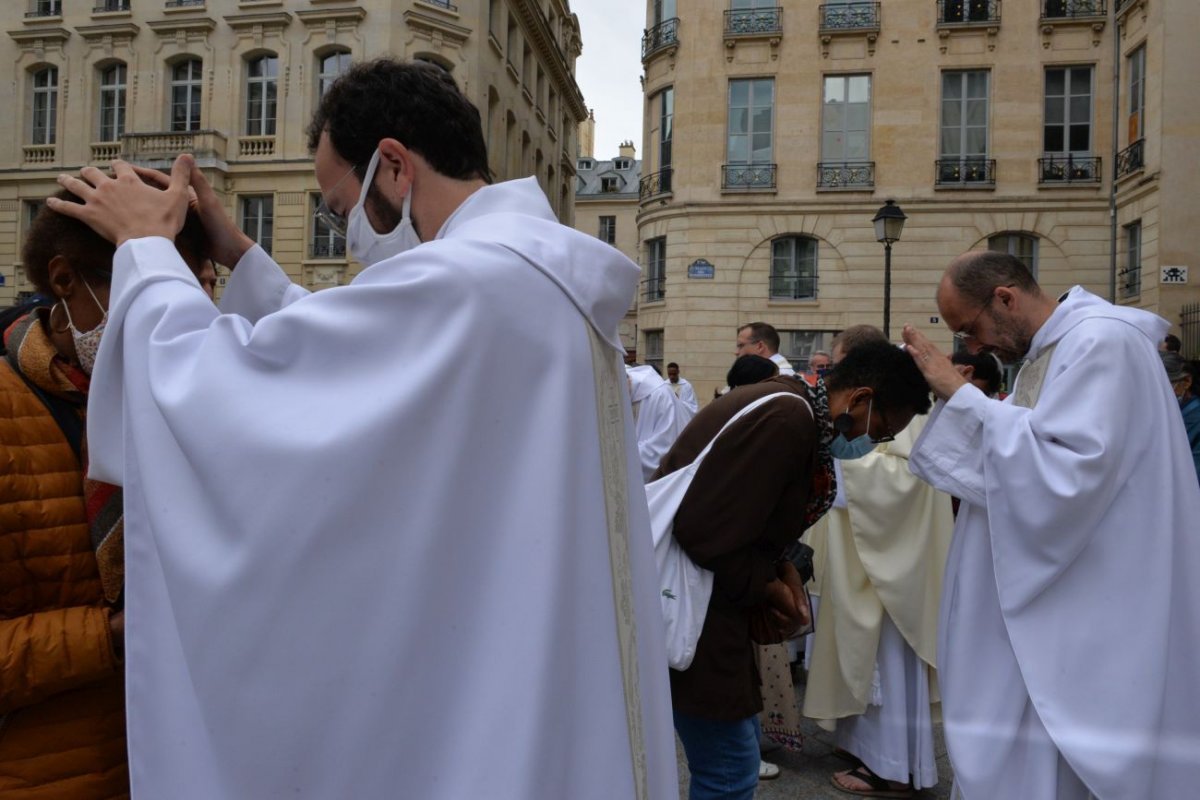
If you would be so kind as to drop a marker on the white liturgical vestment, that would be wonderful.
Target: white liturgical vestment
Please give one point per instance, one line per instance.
(687, 395)
(1043, 649)
(366, 539)
(659, 415)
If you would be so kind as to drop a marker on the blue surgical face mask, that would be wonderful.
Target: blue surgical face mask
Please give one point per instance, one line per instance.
(849, 449)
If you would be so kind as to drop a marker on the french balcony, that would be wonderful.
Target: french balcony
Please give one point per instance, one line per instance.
(1073, 9)
(185, 3)
(108, 6)
(654, 289)
(793, 287)
(838, 17)
(663, 35)
(206, 146)
(966, 13)
(751, 22)
(748, 177)
(1060, 169)
(1129, 281)
(966, 172)
(328, 248)
(104, 152)
(1131, 159)
(846, 175)
(45, 8)
(39, 153)
(655, 184)
(256, 146)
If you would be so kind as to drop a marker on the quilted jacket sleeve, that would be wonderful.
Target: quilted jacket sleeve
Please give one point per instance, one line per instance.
(48, 652)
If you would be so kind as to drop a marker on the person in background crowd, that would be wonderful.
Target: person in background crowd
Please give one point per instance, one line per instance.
(1170, 344)
(818, 363)
(658, 415)
(1183, 383)
(682, 389)
(761, 339)
(981, 369)
(1055, 481)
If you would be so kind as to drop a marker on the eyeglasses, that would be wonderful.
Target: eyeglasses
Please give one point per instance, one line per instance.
(969, 331)
(327, 216)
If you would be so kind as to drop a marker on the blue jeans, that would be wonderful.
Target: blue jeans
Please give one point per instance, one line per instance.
(722, 756)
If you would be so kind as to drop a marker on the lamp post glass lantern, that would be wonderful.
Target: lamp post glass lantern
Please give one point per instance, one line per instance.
(889, 222)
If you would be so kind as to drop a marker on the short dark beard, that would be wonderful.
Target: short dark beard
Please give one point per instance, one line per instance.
(387, 216)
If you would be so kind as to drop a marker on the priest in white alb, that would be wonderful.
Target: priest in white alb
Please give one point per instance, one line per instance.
(1069, 638)
(659, 416)
(387, 540)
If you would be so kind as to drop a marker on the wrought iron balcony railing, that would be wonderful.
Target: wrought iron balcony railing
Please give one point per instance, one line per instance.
(654, 288)
(1070, 9)
(664, 34)
(1131, 159)
(328, 248)
(849, 16)
(968, 12)
(966, 172)
(184, 3)
(1068, 169)
(793, 287)
(111, 5)
(739, 177)
(1120, 4)
(754, 22)
(655, 183)
(45, 8)
(1129, 281)
(846, 175)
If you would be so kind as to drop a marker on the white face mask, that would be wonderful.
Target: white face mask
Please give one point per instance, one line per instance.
(87, 343)
(369, 247)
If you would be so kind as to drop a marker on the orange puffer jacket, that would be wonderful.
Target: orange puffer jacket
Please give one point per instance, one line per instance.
(62, 703)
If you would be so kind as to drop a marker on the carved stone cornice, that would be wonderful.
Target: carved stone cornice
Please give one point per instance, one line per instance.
(543, 38)
(429, 25)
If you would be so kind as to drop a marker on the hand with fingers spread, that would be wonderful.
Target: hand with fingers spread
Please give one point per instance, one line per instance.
(941, 375)
(123, 206)
(229, 243)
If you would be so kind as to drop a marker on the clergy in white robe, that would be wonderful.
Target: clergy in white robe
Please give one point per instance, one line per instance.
(874, 647)
(658, 416)
(367, 545)
(1057, 679)
(682, 388)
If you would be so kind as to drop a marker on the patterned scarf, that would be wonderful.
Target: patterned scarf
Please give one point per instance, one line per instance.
(824, 482)
(32, 354)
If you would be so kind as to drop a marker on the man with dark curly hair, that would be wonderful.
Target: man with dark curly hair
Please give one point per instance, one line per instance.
(378, 577)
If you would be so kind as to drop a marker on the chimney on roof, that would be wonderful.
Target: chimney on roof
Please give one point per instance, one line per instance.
(627, 150)
(587, 136)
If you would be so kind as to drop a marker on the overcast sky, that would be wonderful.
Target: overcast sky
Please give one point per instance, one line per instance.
(609, 69)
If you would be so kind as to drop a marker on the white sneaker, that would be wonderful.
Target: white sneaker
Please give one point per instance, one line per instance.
(767, 771)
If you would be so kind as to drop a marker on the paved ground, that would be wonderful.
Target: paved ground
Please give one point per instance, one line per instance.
(806, 774)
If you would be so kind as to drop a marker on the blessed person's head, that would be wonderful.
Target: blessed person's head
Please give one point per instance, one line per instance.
(750, 369)
(879, 389)
(981, 369)
(851, 338)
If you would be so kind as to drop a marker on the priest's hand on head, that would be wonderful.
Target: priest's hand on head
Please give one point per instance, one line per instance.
(941, 375)
(124, 206)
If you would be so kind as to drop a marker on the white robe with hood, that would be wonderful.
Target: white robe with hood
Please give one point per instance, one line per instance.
(1046, 659)
(659, 415)
(366, 541)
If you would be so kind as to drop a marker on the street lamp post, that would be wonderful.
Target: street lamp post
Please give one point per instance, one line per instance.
(889, 222)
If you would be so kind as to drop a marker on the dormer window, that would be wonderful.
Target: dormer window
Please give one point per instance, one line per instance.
(622, 163)
(610, 184)
(585, 163)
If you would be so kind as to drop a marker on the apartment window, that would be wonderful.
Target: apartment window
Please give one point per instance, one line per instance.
(1131, 276)
(261, 78)
(329, 68)
(846, 132)
(964, 128)
(1068, 125)
(666, 124)
(585, 164)
(45, 106)
(656, 269)
(511, 50)
(798, 346)
(968, 10)
(112, 103)
(608, 230)
(325, 241)
(494, 19)
(258, 219)
(610, 184)
(112, 5)
(186, 86)
(1019, 245)
(663, 11)
(794, 268)
(750, 140)
(32, 208)
(46, 8)
(654, 350)
(1137, 93)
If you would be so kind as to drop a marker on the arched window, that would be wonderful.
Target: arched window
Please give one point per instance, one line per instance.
(45, 106)
(112, 103)
(793, 268)
(1022, 245)
(261, 88)
(186, 84)
(329, 67)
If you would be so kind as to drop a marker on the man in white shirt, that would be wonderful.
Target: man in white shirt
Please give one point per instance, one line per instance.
(682, 389)
(363, 567)
(1077, 528)
(761, 339)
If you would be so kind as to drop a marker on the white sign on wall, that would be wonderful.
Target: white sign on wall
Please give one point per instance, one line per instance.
(1174, 275)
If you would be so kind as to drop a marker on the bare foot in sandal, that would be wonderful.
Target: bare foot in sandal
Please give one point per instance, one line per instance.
(865, 783)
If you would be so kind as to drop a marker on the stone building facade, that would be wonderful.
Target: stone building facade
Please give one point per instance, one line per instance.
(774, 134)
(235, 82)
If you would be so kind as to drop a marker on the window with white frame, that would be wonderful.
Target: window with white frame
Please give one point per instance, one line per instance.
(964, 127)
(325, 241)
(262, 75)
(258, 218)
(750, 132)
(1131, 276)
(608, 229)
(45, 106)
(329, 67)
(656, 269)
(653, 351)
(1137, 94)
(846, 119)
(112, 102)
(793, 268)
(1068, 125)
(798, 346)
(1021, 246)
(187, 83)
